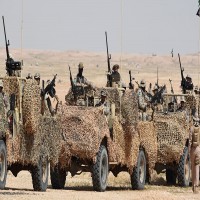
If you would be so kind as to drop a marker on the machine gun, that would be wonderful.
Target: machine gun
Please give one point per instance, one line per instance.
(172, 90)
(73, 85)
(50, 87)
(11, 65)
(130, 83)
(147, 93)
(109, 79)
(183, 81)
(158, 96)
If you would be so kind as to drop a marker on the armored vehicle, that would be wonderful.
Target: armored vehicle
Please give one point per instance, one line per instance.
(104, 139)
(28, 134)
(28, 138)
(172, 130)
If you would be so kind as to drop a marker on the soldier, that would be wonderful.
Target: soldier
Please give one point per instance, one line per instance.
(37, 78)
(182, 106)
(80, 79)
(29, 76)
(115, 76)
(104, 103)
(196, 91)
(195, 154)
(142, 99)
(157, 105)
(188, 84)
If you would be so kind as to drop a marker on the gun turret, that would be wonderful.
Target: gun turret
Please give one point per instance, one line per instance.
(11, 65)
(109, 80)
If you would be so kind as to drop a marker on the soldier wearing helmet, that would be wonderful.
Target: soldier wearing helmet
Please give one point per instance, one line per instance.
(104, 103)
(188, 84)
(196, 90)
(115, 76)
(80, 79)
(37, 78)
(182, 105)
(29, 76)
(142, 100)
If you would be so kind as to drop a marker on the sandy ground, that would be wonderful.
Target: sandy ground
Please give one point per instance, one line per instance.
(80, 187)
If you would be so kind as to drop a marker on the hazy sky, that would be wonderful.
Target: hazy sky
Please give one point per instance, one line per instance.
(148, 26)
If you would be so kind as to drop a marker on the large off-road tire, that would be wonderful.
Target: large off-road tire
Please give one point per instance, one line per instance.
(3, 164)
(58, 177)
(100, 170)
(170, 177)
(40, 174)
(183, 170)
(138, 176)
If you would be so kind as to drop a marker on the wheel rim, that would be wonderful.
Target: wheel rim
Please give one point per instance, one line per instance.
(2, 166)
(187, 169)
(44, 171)
(142, 168)
(104, 169)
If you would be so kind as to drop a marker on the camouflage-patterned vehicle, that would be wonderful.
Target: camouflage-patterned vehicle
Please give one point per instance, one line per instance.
(27, 139)
(172, 130)
(98, 143)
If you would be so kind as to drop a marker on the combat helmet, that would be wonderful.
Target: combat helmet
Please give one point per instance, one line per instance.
(142, 83)
(37, 76)
(155, 87)
(103, 93)
(29, 76)
(80, 65)
(115, 67)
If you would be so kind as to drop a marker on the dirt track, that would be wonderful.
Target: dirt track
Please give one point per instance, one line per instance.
(80, 187)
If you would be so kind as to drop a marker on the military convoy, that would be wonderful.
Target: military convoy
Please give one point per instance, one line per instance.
(84, 137)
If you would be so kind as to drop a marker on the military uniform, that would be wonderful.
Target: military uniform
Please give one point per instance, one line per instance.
(115, 76)
(195, 157)
(142, 99)
(37, 78)
(104, 103)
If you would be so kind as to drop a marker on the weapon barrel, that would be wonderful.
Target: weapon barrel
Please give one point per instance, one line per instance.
(7, 51)
(108, 57)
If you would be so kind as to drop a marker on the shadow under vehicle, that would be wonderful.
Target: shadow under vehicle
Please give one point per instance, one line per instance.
(98, 142)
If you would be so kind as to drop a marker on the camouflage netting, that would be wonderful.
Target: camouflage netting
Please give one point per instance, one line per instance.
(172, 131)
(27, 148)
(112, 96)
(148, 140)
(83, 130)
(3, 126)
(32, 110)
(126, 144)
(191, 102)
(124, 147)
(11, 85)
(23, 147)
